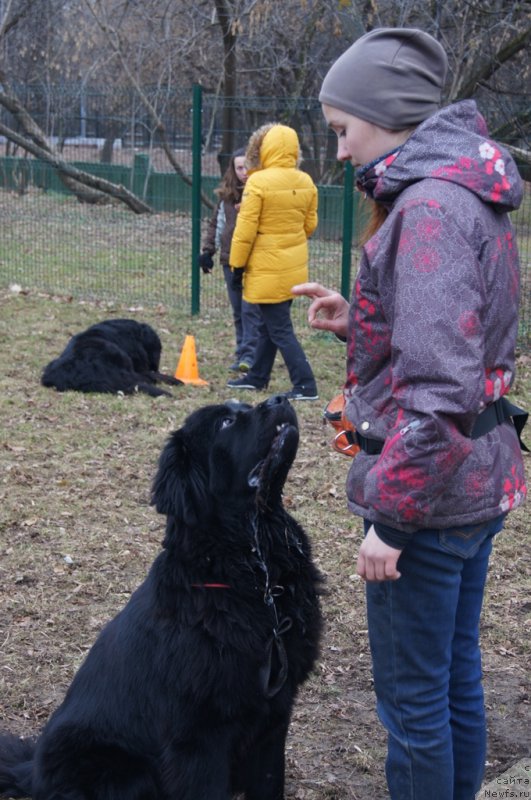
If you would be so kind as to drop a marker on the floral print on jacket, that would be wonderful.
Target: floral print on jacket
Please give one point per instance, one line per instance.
(433, 326)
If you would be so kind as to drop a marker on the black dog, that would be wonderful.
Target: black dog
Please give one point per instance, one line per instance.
(116, 355)
(187, 693)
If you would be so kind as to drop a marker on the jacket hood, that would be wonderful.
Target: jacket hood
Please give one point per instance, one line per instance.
(272, 145)
(451, 145)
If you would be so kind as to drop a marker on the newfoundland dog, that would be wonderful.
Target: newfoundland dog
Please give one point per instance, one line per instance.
(116, 355)
(187, 693)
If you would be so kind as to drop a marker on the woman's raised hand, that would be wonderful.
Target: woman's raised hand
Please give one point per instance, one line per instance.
(328, 311)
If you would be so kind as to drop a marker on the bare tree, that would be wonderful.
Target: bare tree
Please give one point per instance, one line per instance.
(31, 138)
(284, 49)
(229, 27)
(133, 71)
(257, 60)
(487, 45)
(77, 176)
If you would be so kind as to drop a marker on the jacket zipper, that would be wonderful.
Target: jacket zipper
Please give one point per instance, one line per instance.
(410, 426)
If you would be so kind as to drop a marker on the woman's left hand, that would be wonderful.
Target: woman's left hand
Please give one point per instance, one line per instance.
(329, 310)
(376, 559)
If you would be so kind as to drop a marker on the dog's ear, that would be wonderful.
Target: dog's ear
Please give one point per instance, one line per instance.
(180, 488)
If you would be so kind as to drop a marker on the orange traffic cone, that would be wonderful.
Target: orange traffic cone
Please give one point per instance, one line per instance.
(187, 367)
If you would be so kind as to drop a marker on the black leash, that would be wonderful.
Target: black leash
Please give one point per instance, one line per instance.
(271, 685)
(271, 679)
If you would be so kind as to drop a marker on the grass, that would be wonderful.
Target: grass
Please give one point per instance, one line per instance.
(57, 246)
(52, 243)
(77, 534)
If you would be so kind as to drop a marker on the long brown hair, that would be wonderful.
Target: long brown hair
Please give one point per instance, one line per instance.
(230, 188)
(376, 215)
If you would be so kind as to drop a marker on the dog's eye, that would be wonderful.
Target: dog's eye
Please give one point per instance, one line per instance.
(226, 422)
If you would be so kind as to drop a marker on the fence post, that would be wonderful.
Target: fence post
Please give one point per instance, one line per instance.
(196, 193)
(348, 224)
(140, 173)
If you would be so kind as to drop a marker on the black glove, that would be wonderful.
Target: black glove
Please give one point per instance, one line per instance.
(237, 277)
(206, 262)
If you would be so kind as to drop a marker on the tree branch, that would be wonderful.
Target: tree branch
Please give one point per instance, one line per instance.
(108, 188)
(33, 133)
(518, 153)
(114, 40)
(486, 69)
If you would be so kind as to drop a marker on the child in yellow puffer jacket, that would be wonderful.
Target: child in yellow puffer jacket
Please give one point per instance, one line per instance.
(269, 253)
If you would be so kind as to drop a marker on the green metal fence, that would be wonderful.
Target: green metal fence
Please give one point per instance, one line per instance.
(51, 242)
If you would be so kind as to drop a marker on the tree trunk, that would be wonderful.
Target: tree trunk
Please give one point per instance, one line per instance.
(107, 150)
(33, 134)
(73, 176)
(229, 83)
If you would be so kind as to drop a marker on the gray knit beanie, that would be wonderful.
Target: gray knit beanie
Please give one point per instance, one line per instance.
(392, 77)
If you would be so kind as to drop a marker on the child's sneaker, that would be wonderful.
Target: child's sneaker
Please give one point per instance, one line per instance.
(244, 383)
(302, 394)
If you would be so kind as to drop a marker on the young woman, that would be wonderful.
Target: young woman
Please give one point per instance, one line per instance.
(431, 331)
(269, 251)
(218, 237)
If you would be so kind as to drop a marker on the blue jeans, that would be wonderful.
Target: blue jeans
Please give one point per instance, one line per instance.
(424, 638)
(247, 319)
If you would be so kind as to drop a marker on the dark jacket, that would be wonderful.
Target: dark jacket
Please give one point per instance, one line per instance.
(209, 242)
(434, 318)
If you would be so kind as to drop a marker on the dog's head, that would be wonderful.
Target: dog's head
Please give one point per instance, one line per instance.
(152, 345)
(232, 454)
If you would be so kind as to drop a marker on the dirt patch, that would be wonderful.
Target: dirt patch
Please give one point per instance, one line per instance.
(77, 535)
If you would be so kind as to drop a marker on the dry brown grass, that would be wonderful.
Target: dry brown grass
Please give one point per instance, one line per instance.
(77, 535)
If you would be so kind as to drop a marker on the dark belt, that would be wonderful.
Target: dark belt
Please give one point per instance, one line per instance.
(495, 414)
(372, 447)
(501, 411)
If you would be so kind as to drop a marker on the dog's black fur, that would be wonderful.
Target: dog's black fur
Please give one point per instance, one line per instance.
(187, 693)
(116, 355)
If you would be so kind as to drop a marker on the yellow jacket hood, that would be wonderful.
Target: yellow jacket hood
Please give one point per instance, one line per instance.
(272, 145)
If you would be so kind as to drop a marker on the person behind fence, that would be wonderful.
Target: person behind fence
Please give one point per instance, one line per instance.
(431, 331)
(218, 237)
(269, 253)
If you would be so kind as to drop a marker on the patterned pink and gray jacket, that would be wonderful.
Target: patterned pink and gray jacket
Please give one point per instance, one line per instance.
(433, 325)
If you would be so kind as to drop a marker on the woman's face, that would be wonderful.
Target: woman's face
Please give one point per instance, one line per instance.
(359, 141)
(239, 168)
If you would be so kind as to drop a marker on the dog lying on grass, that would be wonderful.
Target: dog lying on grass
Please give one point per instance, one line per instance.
(116, 355)
(187, 693)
